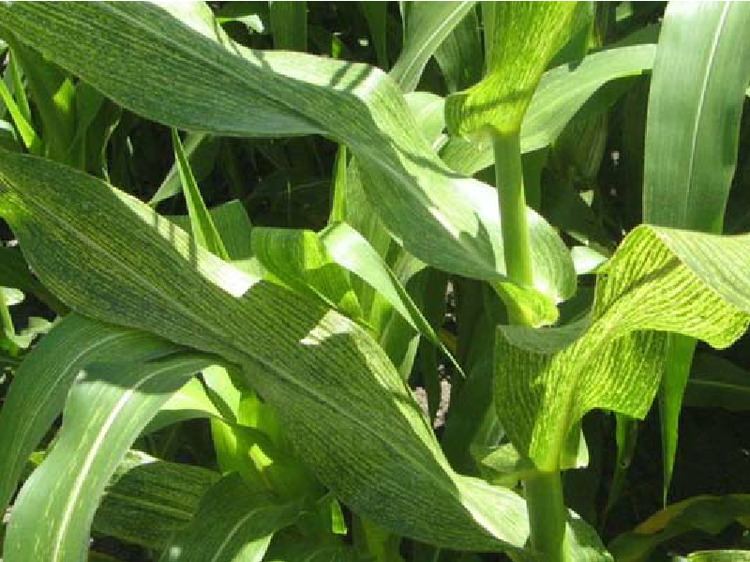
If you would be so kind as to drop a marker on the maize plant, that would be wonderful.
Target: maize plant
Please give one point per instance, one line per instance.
(374, 281)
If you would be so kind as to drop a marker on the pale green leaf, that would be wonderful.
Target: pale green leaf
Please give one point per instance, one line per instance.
(107, 408)
(562, 91)
(344, 406)
(232, 524)
(658, 280)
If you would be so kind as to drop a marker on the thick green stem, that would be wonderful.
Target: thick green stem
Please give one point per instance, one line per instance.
(547, 515)
(544, 494)
(515, 228)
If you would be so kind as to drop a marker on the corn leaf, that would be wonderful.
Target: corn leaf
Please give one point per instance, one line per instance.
(701, 70)
(341, 400)
(453, 221)
(658, 280)
(710, 514)
(521, 39)
(232, 524)
(106, 410)
(426, 25)
(41, 383)
(562, 91)
(148, 500)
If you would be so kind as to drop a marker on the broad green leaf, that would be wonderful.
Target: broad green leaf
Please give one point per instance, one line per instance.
(232, 524)
(561, 92)
(148, 500)
(700, 74)
(289, 25)
(426, 25)
(717, 383)
(453, 221)
(658, 280)
(106, 410)
(521, 39)
(312, 364)
(38, 391)
(710, 514)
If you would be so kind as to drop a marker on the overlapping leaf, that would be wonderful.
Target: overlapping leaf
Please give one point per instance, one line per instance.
(41, 383)
(344, 405)
(225, 89)
(105, 412)
(658, 280)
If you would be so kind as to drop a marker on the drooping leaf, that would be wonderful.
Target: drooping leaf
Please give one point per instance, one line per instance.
(701, 70)
(232, 524)
(521, 39)
(710, 514)
(41, 383)
(148, 500)
(454, 221)
(659, 279)
(426, 25)
(315, 366)
(105, 412)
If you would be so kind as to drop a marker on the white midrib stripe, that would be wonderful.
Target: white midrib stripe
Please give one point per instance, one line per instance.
(93, 453)
(701, 101)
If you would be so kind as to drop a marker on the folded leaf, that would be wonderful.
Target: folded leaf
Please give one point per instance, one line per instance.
(342, 402)
(562, 91)
(658, 280)
(453, 222)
